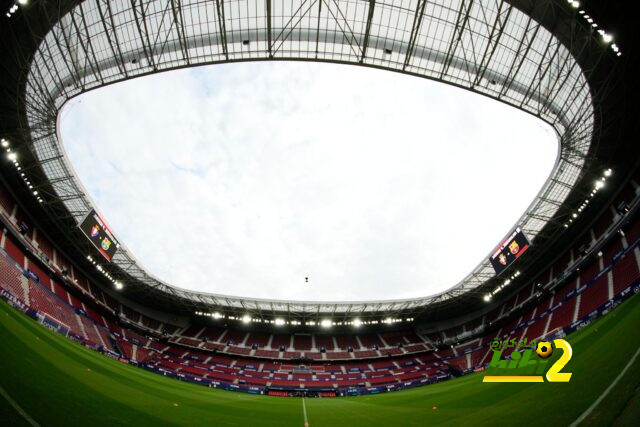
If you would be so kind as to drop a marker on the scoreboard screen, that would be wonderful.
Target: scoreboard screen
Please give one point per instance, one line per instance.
(509, 251)
(99, 234)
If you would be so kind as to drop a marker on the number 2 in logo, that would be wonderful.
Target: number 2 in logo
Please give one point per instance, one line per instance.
(554, 374)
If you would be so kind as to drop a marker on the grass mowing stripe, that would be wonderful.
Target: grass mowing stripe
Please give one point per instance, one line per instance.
(17, 407)
(630, 413)
(590, 409)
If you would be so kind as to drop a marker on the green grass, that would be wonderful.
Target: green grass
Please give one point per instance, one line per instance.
(58, 382)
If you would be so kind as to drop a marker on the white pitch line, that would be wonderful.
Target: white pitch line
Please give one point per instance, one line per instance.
(590, 409)
(304, 411)
(18, 408)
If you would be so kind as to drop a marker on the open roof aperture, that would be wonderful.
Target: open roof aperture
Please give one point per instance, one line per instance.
(244, 179)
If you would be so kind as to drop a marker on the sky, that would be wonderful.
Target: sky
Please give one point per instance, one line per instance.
(243, 179)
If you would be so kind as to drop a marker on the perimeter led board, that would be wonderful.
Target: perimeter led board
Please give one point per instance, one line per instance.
(99, 234)
(509, 251)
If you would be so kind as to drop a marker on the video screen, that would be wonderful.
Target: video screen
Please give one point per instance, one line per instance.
(99, 234)
(509, 251)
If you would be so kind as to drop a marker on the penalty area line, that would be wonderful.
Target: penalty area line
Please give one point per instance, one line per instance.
(304, 412)
(593, 406)
(17, 407)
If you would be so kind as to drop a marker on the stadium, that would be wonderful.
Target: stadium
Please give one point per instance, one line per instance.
(89, 335)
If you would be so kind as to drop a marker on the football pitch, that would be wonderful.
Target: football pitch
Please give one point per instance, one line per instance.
(46, 379)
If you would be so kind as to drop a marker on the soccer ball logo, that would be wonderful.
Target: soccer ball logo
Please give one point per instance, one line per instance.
(544, 349)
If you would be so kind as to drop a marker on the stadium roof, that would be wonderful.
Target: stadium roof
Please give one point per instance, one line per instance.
(542, 57)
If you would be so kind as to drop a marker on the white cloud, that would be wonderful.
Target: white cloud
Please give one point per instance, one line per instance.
(243, 179)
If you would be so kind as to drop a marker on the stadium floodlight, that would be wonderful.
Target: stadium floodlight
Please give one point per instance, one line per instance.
(607, 38)
(118, 285)
(357, 323)
(487, 297)
(325, 323)
(23, 2)
(5, 143)
(279, 322)
(12, 156)
(575, 4)
(608, 172)
(217, 315)
(246, 318)
(599, 184)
